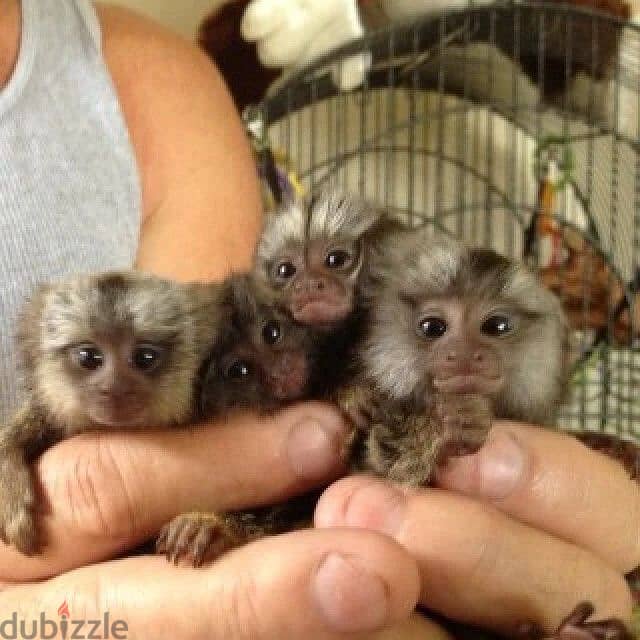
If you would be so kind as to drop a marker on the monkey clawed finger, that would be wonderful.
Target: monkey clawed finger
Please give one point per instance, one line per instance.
(181, 531)
(576, 627)
(195, 535)
(162, 539)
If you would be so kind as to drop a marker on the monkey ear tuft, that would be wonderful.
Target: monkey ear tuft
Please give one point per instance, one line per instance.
(335, 212)
(282, 227)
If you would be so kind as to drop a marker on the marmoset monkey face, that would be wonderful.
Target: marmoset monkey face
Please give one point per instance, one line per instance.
(264, 361)
(465, 345)
(113, 350)
(458, 320)
(311, 256)
(317, 282)
(114, 376)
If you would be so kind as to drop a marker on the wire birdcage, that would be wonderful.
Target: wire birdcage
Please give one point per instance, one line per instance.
(510, 126)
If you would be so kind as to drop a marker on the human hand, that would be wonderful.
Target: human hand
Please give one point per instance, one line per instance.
(292, 33)
(104, 493)
(531, 525)
(101, 494)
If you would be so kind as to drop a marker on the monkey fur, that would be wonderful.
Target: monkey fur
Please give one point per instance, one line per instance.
(100, 352)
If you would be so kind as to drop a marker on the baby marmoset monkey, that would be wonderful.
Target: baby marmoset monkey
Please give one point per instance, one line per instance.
(456, 336)
(118, 350)
(262, 360)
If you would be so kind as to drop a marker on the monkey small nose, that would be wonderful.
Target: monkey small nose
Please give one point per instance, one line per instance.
(478, 356)
(452, 356)
(319, 284)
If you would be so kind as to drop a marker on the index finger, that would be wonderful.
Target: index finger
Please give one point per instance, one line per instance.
(551, 481)
(103, 493)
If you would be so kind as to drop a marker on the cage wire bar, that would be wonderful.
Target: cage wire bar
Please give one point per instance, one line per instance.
(485, 123)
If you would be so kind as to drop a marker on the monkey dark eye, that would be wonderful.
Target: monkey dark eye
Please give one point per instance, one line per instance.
(285, 270)
(238, 370)
(271, 332)
(497, 325)
(433, 327)
(337, 259)
(89, 357)
(146, 357)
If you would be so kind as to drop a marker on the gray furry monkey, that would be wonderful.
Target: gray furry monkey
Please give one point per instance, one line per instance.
(456, 336)
(119, 350)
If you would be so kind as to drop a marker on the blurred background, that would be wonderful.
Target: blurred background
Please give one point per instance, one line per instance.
(186, 15)
(183, 16)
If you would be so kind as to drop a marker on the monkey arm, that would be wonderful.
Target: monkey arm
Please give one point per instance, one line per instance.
(405, 451)
(203, 536)
(23, 438)
(406, 445)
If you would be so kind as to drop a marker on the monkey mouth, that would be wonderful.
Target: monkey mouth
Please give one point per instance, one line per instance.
(318, 312)
(117, 415)
(469, 383)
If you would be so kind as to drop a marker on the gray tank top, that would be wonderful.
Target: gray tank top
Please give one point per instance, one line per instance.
(69, 189)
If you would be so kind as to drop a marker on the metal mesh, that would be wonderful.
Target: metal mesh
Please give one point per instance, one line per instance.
(454, 127)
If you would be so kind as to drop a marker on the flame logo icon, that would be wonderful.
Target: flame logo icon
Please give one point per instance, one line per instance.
(63, 610)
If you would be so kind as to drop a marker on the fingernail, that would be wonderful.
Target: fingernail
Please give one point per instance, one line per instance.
(350, 597)
(377, 506)
(314, 446)
(494, 472)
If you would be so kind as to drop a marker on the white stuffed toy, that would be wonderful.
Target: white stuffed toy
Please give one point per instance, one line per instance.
(291, 33)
